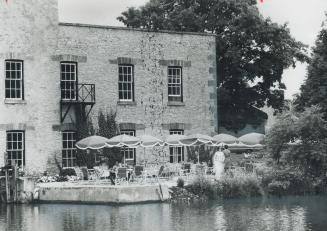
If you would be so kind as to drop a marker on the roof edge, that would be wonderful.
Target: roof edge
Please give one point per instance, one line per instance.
(134, 29)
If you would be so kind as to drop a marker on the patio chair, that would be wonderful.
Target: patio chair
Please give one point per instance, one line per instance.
(138, 173)
(121, 175)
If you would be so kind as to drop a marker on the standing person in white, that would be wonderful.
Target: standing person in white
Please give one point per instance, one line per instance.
(219, 163)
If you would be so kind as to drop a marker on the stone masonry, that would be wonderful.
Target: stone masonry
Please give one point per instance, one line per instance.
(31, 32)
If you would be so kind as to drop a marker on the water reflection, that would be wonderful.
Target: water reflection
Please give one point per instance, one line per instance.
(299, 213)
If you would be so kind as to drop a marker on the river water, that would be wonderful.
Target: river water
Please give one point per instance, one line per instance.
(288, 213)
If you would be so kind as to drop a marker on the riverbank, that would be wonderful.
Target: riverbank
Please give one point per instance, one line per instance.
(242, 184)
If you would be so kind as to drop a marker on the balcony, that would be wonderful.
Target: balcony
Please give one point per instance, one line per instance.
(79, 94)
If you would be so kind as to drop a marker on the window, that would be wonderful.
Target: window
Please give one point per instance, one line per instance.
(15, 147)
(68, 81)
(68, 149)
(126, 83)
(176, 153)
(14, 79)
(175, 92)
(128, 153)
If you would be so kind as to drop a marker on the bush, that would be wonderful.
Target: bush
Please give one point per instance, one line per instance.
(68, 172)
(203, 187)
(180, 183)
(288, 180)
(241, 185)
(232, 186)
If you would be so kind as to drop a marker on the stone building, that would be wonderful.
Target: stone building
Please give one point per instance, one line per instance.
(158, 83)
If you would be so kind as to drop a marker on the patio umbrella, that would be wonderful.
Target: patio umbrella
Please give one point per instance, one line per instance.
(123, 141)
(196, 140)
(252, 138)
(92, 142)
(148, 141)
(174, 140)
(239, 146)
(224, 138)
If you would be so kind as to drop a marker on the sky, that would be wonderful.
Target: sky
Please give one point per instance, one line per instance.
(304, 18)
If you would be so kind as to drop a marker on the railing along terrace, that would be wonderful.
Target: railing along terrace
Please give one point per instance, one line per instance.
(86, 93)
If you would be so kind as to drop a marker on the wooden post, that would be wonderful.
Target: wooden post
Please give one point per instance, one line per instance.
(14, 180)
(7, 186)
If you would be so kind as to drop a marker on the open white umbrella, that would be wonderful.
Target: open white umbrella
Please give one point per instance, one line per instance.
(92, 142)
(224, 138)
(196, 140)
(123, 141)
(252, 138)
(148, 141)
(174, 140)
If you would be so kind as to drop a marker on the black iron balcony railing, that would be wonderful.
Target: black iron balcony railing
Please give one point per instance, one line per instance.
(83, 94)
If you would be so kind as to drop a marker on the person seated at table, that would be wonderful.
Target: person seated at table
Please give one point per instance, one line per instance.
(113, 171)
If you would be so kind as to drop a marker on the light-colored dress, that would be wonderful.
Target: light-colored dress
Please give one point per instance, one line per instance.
(218, 164)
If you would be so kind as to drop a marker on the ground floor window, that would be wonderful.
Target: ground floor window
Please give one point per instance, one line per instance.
(128, 153)
(16, 147)
(176, 153)
(68, 149)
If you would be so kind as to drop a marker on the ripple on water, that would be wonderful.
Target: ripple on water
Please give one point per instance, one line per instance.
(289, 213)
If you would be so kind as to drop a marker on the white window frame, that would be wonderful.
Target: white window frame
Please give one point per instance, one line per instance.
(70, 78)
(69, 149)
(128, 151)
(176, 151)
(125, 82)
(16, 146)
(174, 81)
(15, 70)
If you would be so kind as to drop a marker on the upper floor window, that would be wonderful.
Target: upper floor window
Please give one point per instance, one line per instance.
(175, 87)
(126, 83)
(128, 153)
(68, 80)
(14, 79)
(176, 153)
(68, 149)
(16, 147)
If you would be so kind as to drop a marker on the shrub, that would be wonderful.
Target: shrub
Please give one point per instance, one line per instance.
(289, 180)
(241, 185)
(68, 172)
(203, 187)
(180, 183)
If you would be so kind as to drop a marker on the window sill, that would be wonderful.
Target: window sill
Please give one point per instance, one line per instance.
(15, 101)
(176, 103)
(127, 103)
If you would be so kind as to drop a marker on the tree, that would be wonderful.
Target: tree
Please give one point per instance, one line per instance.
(310, 130)
(252, 52)
(109, 128)
(314, 89)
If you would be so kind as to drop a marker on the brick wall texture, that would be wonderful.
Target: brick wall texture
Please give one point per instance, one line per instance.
(31, 32)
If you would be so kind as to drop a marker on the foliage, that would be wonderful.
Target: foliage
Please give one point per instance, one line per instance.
(251, 51)
(282, 132)
(180, 183)
(84, 128)
(288, 180)
(231, 186)
(109, 128)
(314, 89)
(68, 172)
(309, 129)
(241, 185)
(204, 151)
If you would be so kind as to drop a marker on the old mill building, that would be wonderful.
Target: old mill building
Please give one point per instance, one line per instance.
(158, 83)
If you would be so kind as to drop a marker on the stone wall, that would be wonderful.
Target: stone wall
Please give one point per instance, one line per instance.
(29, 31)
(151, 54)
